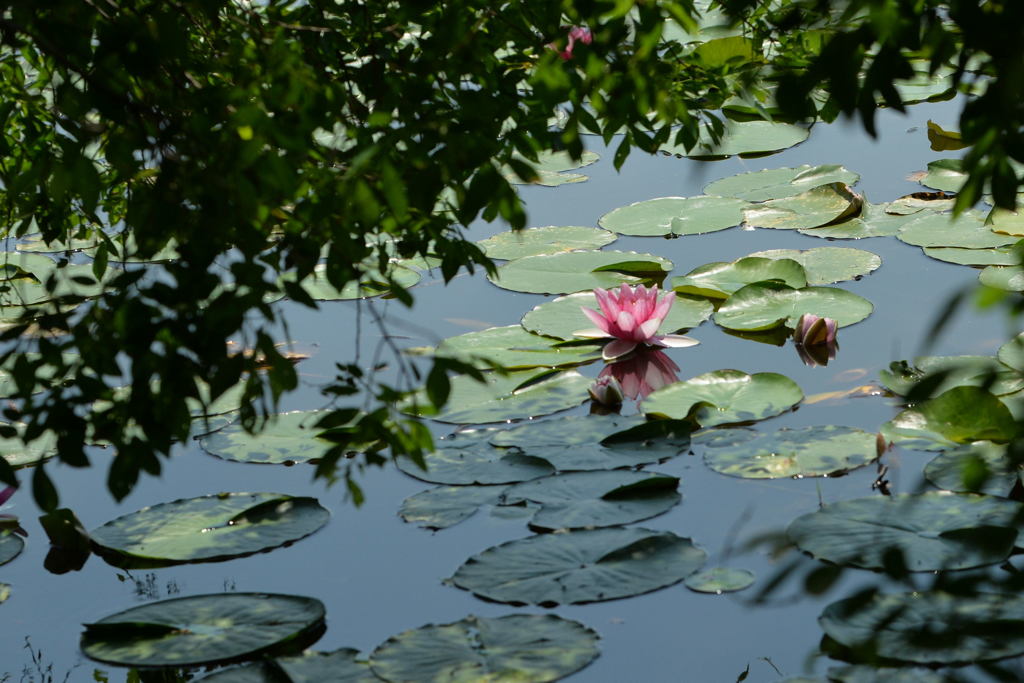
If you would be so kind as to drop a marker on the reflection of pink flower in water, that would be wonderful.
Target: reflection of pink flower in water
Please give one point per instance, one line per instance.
(642, 373)
(631, 316)
(815, 339)
(576, 33)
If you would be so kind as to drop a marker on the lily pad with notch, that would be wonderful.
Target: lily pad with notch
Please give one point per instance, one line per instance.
(574, 271)
(288, 438)
(777, 183)
(721, 279)
(942, 230)
(551, 168)
(445, 506)
(945, 372)
(468, 457)
(207, 529)
(766, 305)
(514, 347)
(675, 216)
(724, 397)
(578, 567)
(562, 317)
(996, 256)
(551, 239)
(957, 416)
(827, 265)
(820, 451)
(743, 138)
(873, 221)
(823, 205)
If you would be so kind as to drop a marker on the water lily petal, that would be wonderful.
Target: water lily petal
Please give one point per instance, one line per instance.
(602, 322)
(675, 341)
(649, 329)
(617, 348)
(591, 333)
(625, 322)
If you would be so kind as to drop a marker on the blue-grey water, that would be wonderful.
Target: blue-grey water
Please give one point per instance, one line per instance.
(379, 576)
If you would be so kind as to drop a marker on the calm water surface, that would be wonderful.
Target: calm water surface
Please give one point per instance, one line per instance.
(378, 576)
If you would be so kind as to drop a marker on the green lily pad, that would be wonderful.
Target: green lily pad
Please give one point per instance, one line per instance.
(1011, 353)
(288, 438)
(777, 183)
(968, 231)
(946, 175)
(202, 629)
(551, 169)
(675, 216)
(819, 206)
(933, 531)
(928, 627)
(957, 416)
(925, 86)
(918, 202)
(563, 316)
(468, 458)
(957, 371)
(75, 280)
(805, 452)
(580, 566)
(865, 673)
(744, 138)
(724, 397)
(514, 347)
(980, 467)
(593, 442)
(5, 591)
(525, 648)
(126, 250)
(873, 221)
(764, 305)
(209, 528)
(18, 454)
(720, 580)
(827, 265)
(548, 240)
(583, 500)
(1006, 278)
(339, 666)
(719, 280)
(373, 283)
(445, 506)
(997, 256)
(574, 271)
(35, 243)
(11, 546)
(516, 396)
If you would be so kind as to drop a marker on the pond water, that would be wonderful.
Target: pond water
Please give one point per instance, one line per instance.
(379, 576)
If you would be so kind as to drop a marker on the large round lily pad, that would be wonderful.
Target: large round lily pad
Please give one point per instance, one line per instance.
(720, 279)
(517, 647)
(11, 546)
(745, 138)
(339, 666)
(515, 396)
(574, 271)
(942, 230)
(581, 500)
(765, 305)
(202, 629)
(724, 397)
(551, 168)
(826, 265)
(547, 240)
(209, 528)
(957, 416)
(805, 452)
(580, 566)
(980, 467)
(286, 439)
(818, 206)
(594, 442)
(929, 627)
(469, 458)
(932, 531)
(776, 183)
(445, 506)
(514, 347)
(563, 316)
(873, 221)
(675, 216)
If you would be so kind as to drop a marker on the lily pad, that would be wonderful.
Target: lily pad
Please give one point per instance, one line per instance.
(372, 283)
(956, 371)
(777, 183)
(932, 531)
(593, 442)
(980, 467)
(514, 347)
(1011, 353)
(469, 458)
(968, 231)
(563, 316)
(744, 138)
(827, 265)
(720, 580)
(339, 666)
(548, 240)
(946, 175)
(574, 271)
(1006, 278)
(764, 305)
(819, 206)
(719, 280)
(36, 243)
(675, 216)
(925, 86)
(866, 673)
(288, 438)
(998, 256)
(5, 591)
(209, 528)
(526, 648)
(126, 250)
(957, 416)
(580, 566)
(445, 506)
(928, 627)
(516, 396)
(724, 397)
(873, 221)
(11, 546)
(18, 454)
(582, 500)
(202, 629)
(805, 452)
(551, 169)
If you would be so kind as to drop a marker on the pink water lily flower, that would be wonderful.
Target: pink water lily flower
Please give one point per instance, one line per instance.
(606, 391)
(815, 339)
(576, 33)
(631, 316)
